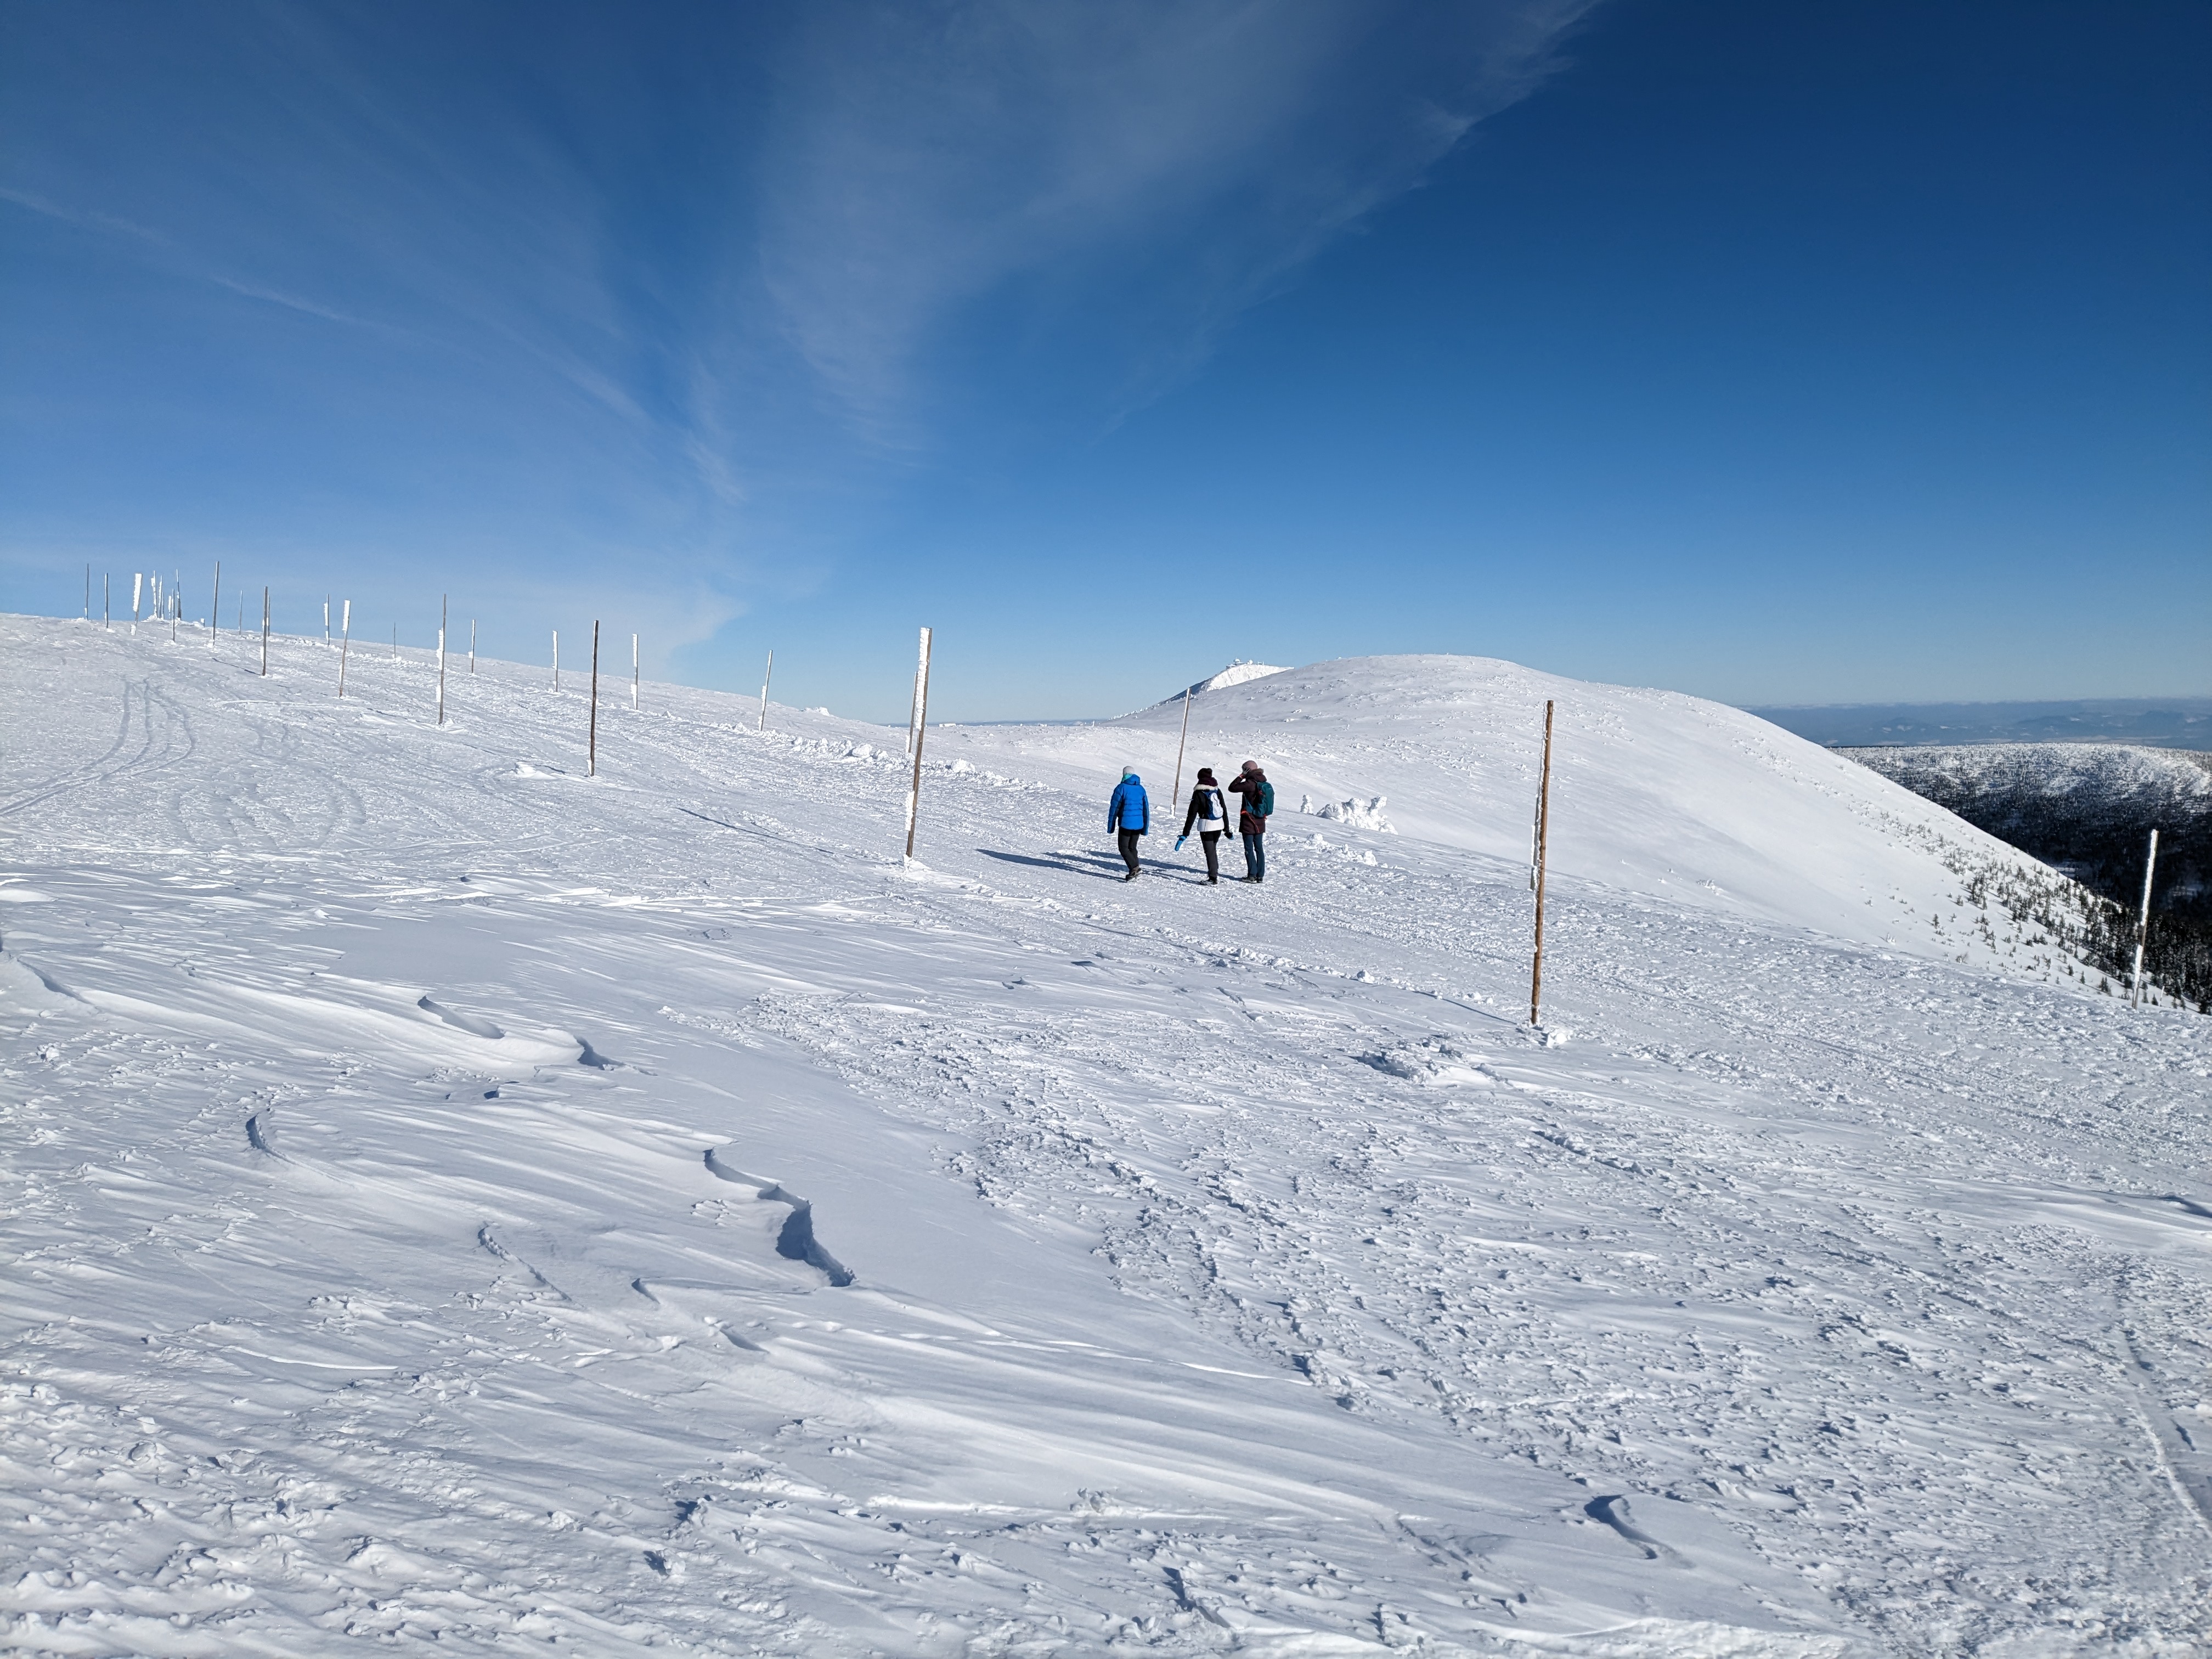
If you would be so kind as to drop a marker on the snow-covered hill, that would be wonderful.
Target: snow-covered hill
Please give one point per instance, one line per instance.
(1654, 793)
(450, 1198)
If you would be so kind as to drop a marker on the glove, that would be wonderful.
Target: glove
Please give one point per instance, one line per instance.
(1179, 841)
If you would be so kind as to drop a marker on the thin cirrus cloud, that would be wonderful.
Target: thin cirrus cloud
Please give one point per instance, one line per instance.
(676, 289)
(1149, 168)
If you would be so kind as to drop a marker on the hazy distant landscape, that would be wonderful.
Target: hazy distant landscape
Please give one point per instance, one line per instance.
(2151, 722)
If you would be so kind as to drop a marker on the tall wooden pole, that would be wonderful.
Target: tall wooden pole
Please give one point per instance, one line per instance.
(214, 606)
(913, 703)
(1174, 795)
(593, 770)
(1543, 832)
(2142, 923)
(633, 673)
(442, 653)
(107, 601)
(472, 645)
(264, 632)
(345, 640)
(920, 726)
(766, 674)
(556, 660)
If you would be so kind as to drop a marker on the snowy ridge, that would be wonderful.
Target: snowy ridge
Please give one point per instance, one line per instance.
(1238, 673)
(432, 1171)
(1654, 793)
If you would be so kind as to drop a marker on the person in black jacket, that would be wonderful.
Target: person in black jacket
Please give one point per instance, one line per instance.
(1252, 822)
(1208, 811)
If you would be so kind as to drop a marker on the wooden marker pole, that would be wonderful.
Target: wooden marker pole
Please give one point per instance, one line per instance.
(2142, 923)
(442, 655)
(920, 727)
(556, 660)
(326, 622)
(176, 609)
(633, 673)
(472, 645)
(345, 638)
(107, 603)
(1174, 795)
(264, 632)
(766, 674)
(1543, 833)
(214, 606)
(137, 580)
(913, 703)
(594, 769)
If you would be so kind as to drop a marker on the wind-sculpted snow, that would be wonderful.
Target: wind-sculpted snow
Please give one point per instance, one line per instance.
(455, 1200)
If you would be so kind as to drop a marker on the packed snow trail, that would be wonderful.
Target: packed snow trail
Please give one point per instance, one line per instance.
(411, 1137)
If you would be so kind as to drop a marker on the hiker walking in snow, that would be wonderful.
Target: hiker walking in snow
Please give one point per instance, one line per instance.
(1252, 820)
(1128, 814)
(1208, 812)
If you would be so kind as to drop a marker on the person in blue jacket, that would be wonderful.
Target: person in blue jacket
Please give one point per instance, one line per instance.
(1128, 814)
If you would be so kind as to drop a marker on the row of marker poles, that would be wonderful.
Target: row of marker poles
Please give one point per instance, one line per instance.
(917, 722)
(174, 606)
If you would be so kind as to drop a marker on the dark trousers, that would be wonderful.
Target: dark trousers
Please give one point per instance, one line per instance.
(1211, 841)
(1129, 839)
(1255, 855)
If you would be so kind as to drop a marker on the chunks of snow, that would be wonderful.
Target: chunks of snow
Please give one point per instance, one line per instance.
(1352, 812)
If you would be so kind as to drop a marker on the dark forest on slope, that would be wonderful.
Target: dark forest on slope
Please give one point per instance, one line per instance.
(2087, 810)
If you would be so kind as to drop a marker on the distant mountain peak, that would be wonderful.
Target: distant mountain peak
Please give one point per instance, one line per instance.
(1236, 674)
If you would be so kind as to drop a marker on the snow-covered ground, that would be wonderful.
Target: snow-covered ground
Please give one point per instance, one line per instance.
(449, 1197)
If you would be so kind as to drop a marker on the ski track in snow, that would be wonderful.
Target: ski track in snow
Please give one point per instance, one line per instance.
(1231, 1269)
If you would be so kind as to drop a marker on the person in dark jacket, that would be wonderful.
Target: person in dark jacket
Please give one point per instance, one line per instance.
(1252, 818)
(1128, 814)
(1211, 817)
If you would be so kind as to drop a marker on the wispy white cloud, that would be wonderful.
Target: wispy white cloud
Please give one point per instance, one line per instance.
(1171, 158)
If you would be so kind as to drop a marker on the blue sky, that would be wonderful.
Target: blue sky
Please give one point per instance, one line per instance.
(1780, 354)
